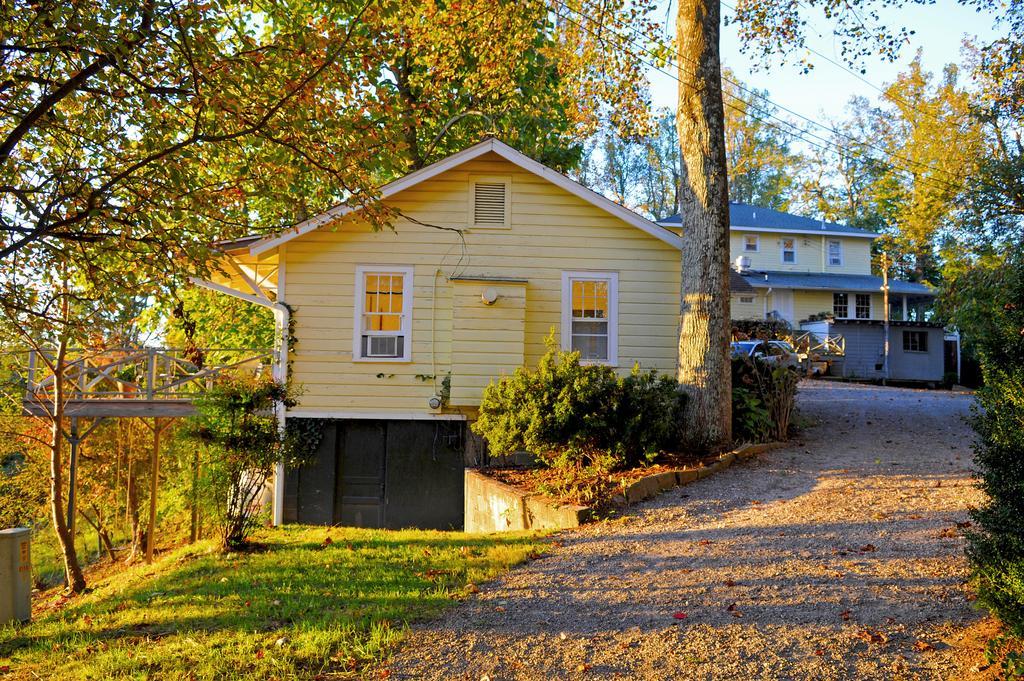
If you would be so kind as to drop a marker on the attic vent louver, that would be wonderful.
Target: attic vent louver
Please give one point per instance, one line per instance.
(490, 204)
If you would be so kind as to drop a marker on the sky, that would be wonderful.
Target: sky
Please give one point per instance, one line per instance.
(824, 92)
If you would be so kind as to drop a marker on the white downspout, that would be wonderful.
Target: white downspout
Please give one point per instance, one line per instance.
(282, 318)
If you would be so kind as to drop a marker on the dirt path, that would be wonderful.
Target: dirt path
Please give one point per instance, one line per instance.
(837, 557)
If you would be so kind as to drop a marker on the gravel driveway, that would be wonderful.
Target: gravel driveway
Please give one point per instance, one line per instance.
(838, 557)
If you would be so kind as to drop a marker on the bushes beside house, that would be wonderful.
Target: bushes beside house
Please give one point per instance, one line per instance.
(763, 399)
(987, 306)
(572, 415)
(575, 415)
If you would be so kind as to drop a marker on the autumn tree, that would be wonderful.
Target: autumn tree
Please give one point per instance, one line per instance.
(135, 133)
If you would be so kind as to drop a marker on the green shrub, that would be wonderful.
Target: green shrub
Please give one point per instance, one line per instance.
(987, 304)
(573, 414)
(236, 422)
(763, 399)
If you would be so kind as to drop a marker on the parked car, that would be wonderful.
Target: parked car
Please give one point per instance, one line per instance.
(773, 352)
(788, 347)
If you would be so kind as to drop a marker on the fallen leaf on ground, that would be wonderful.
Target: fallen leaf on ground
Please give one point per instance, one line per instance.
(819, 652)
(871, 636)
(734, 611)
(845, 614)
(472, 588)
(923, 646)
(729, 583)
(867, 548)
(679, 615)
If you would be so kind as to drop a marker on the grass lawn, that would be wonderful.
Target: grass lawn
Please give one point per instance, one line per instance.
(302, 608)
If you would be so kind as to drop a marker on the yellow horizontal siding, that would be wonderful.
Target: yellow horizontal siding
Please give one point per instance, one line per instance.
(551, 231)
(811, 253)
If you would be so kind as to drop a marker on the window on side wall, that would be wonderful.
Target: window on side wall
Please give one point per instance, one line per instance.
(383, 320)
(863, 306)
(915, 341)
(841, 305)
(789, 251)
(751, 243)
(590, 315)
(747, 299)
(835, 252)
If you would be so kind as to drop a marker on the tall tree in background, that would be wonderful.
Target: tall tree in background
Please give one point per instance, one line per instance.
(761, 167)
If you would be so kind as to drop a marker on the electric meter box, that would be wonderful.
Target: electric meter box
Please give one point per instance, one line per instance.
(15, 575)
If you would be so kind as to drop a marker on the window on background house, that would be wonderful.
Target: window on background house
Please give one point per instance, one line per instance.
(751, 243)
(383, 313)
(915, 341)
(841, 305)
(589, 315)
(747, 299)
(835, 252)
(789, 250)
(863, 306)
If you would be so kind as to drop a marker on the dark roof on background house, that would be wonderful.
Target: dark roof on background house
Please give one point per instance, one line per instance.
(737, 284)
(744, 216)
(833, 282)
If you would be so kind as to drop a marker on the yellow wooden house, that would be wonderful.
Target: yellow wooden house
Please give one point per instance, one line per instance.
(397, 332)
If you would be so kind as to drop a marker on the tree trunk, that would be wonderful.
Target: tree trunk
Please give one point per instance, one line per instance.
(132, 503)
(704, 324)
(72, 570)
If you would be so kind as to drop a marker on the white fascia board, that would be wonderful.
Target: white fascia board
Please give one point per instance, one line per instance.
(506, 152)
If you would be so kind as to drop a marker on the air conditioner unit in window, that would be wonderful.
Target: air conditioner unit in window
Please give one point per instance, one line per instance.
(383, 346)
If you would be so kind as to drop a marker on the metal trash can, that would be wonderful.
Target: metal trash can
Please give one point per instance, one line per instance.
(15, 575)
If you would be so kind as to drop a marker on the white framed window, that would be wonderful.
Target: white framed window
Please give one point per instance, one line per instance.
(835, 252)
(841, 305)
(590, 318)
(490, 201)
(862, 306)
(383, 314)
(751, 243)
(747, 299)
(789, 251)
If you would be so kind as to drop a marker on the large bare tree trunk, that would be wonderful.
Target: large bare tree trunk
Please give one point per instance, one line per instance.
(704, 324)
(72, 570)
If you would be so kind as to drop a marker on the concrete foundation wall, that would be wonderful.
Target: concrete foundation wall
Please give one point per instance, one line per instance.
(493, 506)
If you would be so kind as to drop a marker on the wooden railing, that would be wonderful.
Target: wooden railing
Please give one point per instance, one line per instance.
(136, 373)
(816, 344)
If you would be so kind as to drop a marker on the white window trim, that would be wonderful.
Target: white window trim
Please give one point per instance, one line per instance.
(853, 306)
(408, 284)
(613, 312)
(747, 300)
(849, 303)
(782, 250)
(757, 243)
(828, 256)
(490, 179)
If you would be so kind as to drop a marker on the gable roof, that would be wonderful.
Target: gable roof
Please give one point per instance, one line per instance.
(745, 217)
(487, 146)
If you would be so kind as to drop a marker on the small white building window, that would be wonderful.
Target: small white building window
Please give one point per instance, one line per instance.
(862, 307)
(747, 299)
(590, 302)
(383, 320)
(789, 251)
(751, 243)
(840, 305)
(835, 252)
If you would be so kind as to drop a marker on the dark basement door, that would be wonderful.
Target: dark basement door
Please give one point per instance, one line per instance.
(375, 473)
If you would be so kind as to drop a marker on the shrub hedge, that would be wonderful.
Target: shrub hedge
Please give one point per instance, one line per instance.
(571, 414)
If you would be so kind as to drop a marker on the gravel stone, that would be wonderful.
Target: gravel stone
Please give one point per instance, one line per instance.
(827, 559)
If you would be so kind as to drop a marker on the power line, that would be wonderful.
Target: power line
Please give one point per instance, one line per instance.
(935, 181)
